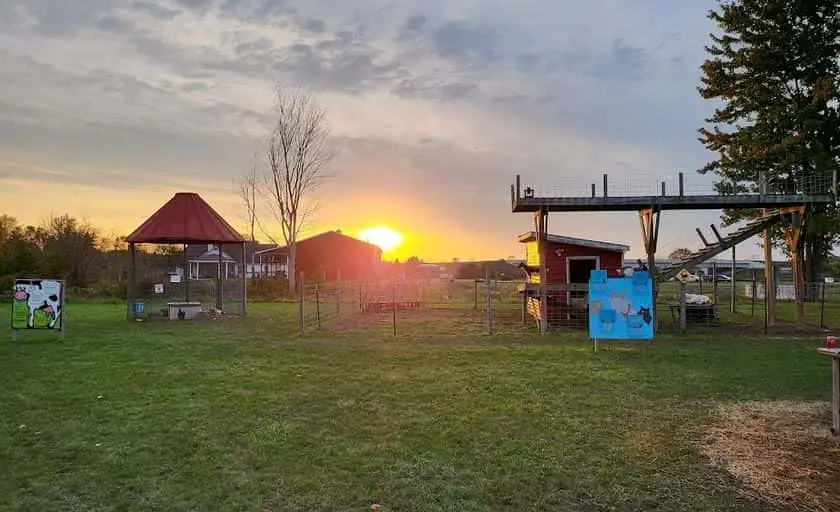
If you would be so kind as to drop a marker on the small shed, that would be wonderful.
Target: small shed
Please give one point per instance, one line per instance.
(568, 264)
(186, 219)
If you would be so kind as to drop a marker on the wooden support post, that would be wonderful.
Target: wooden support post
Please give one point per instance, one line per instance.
(649, 221)
(187, 270)
(769, 280)
(663, 189)
(732, 288)
(518, 189)
(219, 280)
(702, 238)
(683, 320)
(793, 239)
(682, 185)
(593, 190)
(606, 182)
(835, 395)
(716, 233)
(542, 237)
(835, 389)
(131, 288)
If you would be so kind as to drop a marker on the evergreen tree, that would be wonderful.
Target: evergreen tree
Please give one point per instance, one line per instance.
(775, 69)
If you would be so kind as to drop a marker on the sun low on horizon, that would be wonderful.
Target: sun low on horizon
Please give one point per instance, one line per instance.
(387, 239)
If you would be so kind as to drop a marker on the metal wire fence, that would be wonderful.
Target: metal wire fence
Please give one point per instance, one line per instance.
(674, 184)
(160, 300)
(490, 306)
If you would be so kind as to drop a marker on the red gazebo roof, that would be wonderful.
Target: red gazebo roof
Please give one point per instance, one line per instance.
(186, 218)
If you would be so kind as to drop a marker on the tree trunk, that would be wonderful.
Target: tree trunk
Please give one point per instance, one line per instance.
(290, 266)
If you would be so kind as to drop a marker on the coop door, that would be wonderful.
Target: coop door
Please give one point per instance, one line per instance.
(579, 270)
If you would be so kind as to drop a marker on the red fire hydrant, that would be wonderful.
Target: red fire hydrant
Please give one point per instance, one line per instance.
(830, 342)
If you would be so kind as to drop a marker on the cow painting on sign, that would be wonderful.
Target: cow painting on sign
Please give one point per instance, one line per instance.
(32, 296)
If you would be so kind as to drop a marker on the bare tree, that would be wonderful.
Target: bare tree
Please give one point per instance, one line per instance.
(246, 186)
(298, 153)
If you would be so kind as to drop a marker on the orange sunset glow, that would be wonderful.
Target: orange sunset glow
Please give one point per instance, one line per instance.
(383, 237)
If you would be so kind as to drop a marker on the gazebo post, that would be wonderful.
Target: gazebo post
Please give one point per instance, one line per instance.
(219, 280)
(186, 275)
(245, 279)
(132, 279)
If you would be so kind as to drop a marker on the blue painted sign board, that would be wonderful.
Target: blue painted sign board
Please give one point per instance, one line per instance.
(620, 308)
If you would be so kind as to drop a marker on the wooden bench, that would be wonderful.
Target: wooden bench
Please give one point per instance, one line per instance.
(695, 313)
(834, 354)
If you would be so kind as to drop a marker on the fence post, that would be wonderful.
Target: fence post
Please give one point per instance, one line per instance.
(318, 304)
(714, 282)
(732, 298)
(338, 294)
(683, 320)
(754, 292)
(301, 293)
(394, 307)
(475, 294)
(822, 305)
(489, 299)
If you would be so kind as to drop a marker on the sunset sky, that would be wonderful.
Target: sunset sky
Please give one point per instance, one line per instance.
(108, 107)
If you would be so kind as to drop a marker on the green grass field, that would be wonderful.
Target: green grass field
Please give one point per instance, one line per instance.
(233, 416)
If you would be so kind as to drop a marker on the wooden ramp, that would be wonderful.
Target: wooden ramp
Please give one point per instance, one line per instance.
(749, 230)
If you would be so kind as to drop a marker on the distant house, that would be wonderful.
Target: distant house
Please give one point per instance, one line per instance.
(332, 255)
(259, 261)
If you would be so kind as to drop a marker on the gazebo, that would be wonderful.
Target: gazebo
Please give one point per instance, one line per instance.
(185, 219)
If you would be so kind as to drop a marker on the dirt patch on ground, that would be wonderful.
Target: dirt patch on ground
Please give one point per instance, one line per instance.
(782, 452)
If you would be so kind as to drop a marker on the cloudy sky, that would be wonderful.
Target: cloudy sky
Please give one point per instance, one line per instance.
(107, 107)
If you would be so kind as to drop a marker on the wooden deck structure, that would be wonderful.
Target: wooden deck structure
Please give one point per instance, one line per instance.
(790, 201)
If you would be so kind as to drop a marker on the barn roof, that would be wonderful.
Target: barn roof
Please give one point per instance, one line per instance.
(186, 218)
(336, 234)
(531, 236)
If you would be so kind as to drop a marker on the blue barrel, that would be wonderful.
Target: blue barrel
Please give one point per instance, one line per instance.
(139, 307)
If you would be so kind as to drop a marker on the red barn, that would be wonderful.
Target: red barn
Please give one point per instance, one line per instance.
(330, 255)
(569, 262)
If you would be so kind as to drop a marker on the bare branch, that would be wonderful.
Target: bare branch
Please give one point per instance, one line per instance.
(298, 152)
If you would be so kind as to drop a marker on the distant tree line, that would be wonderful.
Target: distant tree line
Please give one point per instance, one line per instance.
(63, 247)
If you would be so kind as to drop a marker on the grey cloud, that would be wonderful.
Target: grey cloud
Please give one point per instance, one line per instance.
(414, 87)
(415, 23)
(65, 18)
(330, 64)
(313, 25)
(195, 4)
(623, 61)
(155, 10)
(114, 24)
(255, 45)
(195, 86)
(458, 39)
(257, 10)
